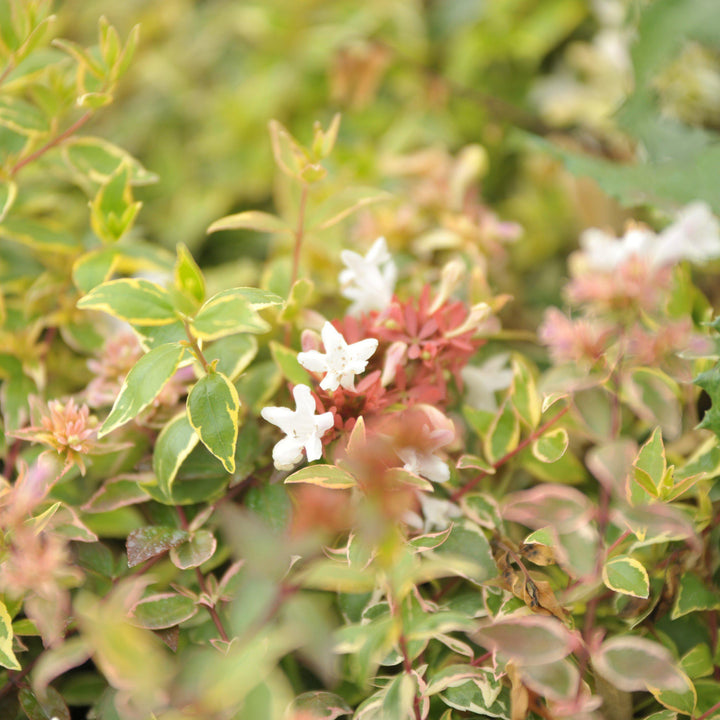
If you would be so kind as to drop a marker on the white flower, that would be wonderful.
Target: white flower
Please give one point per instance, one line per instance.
(484, 381)
(341, 362)
(437, 513)
(302, 428)
(694, 236)
(369, 281)
(424, 463)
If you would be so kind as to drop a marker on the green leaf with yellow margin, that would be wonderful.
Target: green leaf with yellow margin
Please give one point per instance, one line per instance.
(503, 435)
(227, 313)
(143, 384)
(7, 656)
(212, 407)
(626, 575)
(327, 476)
(551, 446)
(174, 443)
(251, 220)
(188, 276)
(134, 300)
(524, 394)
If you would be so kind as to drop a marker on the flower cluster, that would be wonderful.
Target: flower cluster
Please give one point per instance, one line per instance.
(409, 352)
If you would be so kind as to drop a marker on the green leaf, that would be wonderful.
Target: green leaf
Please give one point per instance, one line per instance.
(112, 211)
(232, 354)
(626, 575)
(503, 435)
(709, 381)
(134, 300)
(143, 384)
(698, 661)
(467, 541)
(8, 193)
(212, 407)
(227, 313)
(551, 446)
(524, 394)
(175, 442)
(271, 503)
(41, 237)
(632, 663)
(147, 542)
(320, 704)
(22, 117)
(693, 595)
(188, 276)
(400, 697)
(94, 268)
(99, 159)
(291, 369)
(50, 705)
(665, 184)
(7, 656)
(162, 610)
(340, 205)
(327, 476)
(193, 553)
(251, 220)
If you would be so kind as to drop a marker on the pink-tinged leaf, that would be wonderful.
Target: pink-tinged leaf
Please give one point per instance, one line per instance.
(163, 610)
(58, 660)
(555, 681)
(321, 705)
(633, 663)
(453, 675)
(118, 492)
(327, 476)
(148, 542)
(611, 464)
(657, 523)
(430, 541)
(531, 640)
(193, 553)
(565, 508)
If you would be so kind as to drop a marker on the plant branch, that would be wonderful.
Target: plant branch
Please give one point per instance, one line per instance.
(51, 143)
(521, 446)
(299, 234)
(196, 348)
(212, 611)
(709, 712)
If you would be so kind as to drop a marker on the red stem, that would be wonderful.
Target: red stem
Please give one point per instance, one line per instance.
(521, 446)
(51, 143)
(212, 611)
(709, 712)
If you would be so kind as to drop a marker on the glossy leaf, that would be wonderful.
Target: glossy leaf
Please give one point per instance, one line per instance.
(143, 384)
(212, 407)
(693, 595)
(50, 705)
(503, 435)
(148, 542)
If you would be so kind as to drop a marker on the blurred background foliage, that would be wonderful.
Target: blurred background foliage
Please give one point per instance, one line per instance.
(409, 75)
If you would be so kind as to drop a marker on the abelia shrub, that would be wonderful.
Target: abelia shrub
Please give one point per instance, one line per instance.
(351, 488)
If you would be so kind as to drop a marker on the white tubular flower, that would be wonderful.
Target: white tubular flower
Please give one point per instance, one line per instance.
(484, 381)
(369, 281)
(340, 362)
(424, 463)
(694, 236)
(301, 426)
